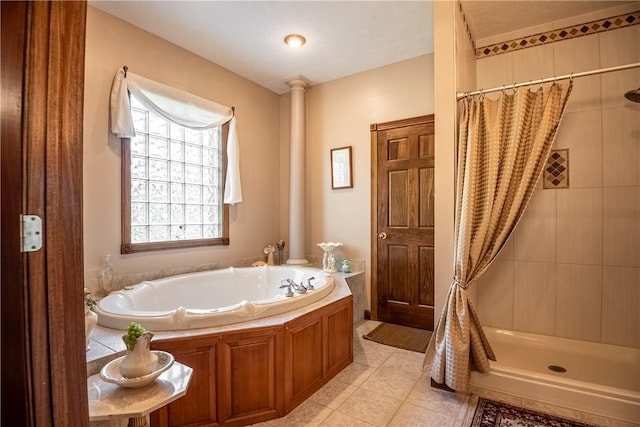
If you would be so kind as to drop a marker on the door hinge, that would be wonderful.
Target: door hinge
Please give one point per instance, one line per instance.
(31, 226)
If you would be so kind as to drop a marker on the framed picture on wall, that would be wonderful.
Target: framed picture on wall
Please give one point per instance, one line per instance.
(341, 173)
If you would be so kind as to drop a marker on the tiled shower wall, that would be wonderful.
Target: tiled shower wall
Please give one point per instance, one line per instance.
(572, 266)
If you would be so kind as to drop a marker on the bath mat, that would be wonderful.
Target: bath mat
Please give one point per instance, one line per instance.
(399, 336)
(497, 414)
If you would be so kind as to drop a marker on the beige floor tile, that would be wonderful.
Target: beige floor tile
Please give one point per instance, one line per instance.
(497, 396)
(373, 408)
(427, 397)
(467, 411)
(386, 386)
(391, 382)
(365, 327)
(333, 393)
(370, 353)
(337, 419)
(354, 374)
(308, 414)
(406, 361)
(410, 415)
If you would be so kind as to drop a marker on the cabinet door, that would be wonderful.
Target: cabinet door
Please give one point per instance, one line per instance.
(339, 336)
(304, 360)
(199, 406)
(250, 376)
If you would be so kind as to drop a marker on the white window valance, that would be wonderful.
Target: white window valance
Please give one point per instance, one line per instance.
(178, 106)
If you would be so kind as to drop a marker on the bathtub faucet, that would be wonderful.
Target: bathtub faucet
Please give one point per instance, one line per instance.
(283, 285)
(286, 284)
(298, 288)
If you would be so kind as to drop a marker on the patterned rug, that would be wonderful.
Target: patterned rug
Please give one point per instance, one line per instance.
(497, 414)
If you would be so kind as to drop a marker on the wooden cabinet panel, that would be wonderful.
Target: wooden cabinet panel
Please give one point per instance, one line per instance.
(339, 338)
(249, 375)
(199, 406)
(303, 354)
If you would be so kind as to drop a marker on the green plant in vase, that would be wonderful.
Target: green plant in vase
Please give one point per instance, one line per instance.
(139, 359)
(134, 331)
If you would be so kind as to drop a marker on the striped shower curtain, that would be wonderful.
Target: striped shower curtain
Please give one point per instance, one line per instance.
(503, 146)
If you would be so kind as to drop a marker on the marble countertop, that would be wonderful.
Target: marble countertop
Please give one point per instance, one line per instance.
(109, 401)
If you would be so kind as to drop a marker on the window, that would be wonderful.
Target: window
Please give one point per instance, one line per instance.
(172, 185)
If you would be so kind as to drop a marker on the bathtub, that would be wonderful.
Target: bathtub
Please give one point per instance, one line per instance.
(211, 298)
(600, 379)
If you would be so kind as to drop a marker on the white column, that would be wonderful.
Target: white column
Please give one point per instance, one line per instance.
(297, 172)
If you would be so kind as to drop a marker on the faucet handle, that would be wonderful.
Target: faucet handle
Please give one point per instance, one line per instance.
(287, 285)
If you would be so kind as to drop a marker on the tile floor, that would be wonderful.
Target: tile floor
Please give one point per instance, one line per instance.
(386, 386)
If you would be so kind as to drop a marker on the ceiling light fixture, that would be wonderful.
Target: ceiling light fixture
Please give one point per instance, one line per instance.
(295, 40)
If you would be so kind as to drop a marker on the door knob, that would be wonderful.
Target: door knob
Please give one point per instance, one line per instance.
(382, 235)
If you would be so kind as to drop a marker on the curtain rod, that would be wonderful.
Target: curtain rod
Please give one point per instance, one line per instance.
(461, 95)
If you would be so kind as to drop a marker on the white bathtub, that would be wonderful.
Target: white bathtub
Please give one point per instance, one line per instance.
(600, 379)
(211, 298)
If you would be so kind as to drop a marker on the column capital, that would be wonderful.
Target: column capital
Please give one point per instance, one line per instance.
(298, 82)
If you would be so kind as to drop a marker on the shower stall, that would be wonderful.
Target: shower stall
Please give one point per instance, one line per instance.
(561, 302)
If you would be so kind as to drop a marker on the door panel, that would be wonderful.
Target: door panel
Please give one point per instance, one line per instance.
(43, 354)
(403, 217)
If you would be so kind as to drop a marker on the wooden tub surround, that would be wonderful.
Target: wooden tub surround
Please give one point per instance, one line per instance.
(254, 374)
(254, 371)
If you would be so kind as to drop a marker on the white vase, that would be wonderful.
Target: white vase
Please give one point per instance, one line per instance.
(139, 361)
(90, 322)
(328, 259)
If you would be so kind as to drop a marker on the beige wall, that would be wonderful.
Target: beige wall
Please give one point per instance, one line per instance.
(112, 43)
(572, 266)
(339, 114)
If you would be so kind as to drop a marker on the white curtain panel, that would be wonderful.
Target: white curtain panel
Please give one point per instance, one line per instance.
(177, 106)
(503, 146)
(233, 183)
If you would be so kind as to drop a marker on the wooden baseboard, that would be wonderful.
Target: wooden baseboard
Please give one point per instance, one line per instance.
(367, 314)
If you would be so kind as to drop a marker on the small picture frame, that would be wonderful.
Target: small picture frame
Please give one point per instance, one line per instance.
(341, 171)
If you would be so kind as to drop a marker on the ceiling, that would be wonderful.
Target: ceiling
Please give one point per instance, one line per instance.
(489, 18)
(343, 37)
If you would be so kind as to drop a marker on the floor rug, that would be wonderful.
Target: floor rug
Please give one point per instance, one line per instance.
(497, 414)
(404, 337)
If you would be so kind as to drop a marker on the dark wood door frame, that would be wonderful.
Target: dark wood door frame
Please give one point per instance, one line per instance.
(43, 344)
(375, 226)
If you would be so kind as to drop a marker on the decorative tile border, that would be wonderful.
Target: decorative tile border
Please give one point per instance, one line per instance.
(466, 26)
(556, 171)
(560, 34)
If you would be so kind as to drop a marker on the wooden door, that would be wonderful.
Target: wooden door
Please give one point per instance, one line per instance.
(42, 315)
(403, 165)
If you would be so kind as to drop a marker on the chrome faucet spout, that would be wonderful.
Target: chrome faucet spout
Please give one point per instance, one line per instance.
(286, 285)
(297, 287)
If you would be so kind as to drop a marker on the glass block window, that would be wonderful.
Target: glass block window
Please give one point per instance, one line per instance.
(175, 184)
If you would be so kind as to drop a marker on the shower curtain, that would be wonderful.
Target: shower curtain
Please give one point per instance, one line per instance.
(503, 145)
